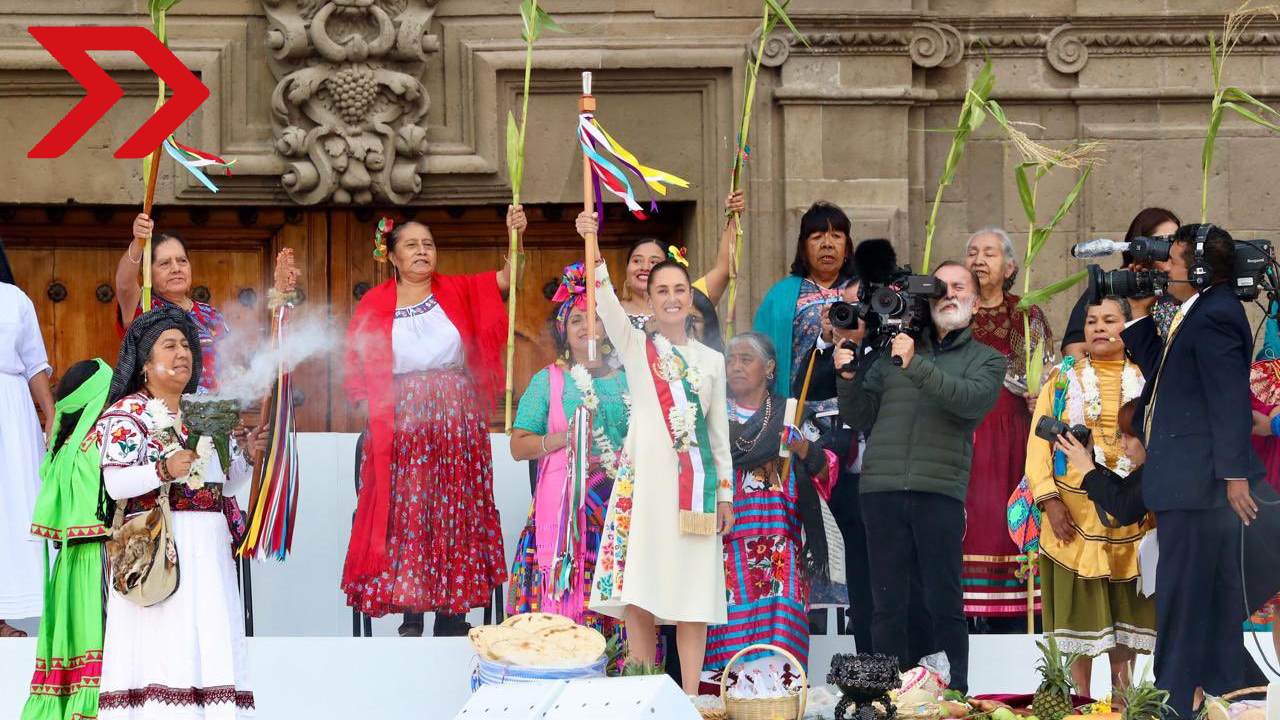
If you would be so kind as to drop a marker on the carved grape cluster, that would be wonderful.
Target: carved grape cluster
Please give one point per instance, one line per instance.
(353, 91)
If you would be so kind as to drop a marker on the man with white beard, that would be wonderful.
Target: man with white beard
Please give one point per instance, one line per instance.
(921, 417)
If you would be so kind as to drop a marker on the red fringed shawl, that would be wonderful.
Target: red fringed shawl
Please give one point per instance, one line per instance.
(474, 306)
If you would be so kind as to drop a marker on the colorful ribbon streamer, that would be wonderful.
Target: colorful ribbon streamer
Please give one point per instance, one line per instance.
(272, 516)
(1059, 407)
(569, 545)
(606, 155)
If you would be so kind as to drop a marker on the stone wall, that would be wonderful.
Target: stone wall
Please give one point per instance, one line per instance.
(844, 119)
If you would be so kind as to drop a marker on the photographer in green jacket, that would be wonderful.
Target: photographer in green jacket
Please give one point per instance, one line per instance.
(921, 416)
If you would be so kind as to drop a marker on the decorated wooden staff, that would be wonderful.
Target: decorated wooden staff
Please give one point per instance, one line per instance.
(603, 162)
(797, 416)
(273, 502)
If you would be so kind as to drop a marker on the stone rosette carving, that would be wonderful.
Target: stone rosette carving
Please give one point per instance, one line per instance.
(349, 108)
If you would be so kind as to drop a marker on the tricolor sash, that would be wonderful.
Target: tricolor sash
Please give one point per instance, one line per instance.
(697, 480)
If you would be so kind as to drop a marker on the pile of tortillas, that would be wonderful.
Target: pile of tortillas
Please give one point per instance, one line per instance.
(538, 640)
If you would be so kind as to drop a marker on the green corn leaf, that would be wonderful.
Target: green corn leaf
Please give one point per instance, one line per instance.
(1215, 61)
(1238, 95)
(997, 113)
(546, 21)
(1024, 192)
(515, 161)
(1041, 295)
(1251, 115)
(1069, 200)
(1210, 137)
(782, 15)
(529, 18)
(1035, 368)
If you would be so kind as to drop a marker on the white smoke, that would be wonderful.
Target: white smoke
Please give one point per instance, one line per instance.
(247, 365)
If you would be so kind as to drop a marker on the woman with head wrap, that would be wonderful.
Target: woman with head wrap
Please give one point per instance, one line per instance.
(424, 365)
(542, 431)
(171, 287)
(69, 646)
(185, 655)
(24, 375)
(780, 544)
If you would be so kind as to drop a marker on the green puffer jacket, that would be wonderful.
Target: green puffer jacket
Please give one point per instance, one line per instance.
(921, 419)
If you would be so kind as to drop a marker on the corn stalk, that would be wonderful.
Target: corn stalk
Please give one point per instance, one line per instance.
(1038, 161)
(774, 11)
(972, 114)
(534, 19)
(1228, 97)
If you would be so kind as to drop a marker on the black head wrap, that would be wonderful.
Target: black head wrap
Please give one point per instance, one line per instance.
(136, 348)
(6, 272)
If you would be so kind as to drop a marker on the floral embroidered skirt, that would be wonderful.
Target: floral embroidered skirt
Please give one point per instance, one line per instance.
(990, 562)
(525, 589)
(444, 539)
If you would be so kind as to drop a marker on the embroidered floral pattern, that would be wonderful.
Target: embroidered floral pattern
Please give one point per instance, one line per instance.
(421, 308)
(617, 528)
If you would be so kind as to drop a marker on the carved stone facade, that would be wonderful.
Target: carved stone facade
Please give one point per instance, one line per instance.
(402, 102)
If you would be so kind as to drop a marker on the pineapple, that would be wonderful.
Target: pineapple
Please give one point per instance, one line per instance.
(1144, 701)
(1052, 700)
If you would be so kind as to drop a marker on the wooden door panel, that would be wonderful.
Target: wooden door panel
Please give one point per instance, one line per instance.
(85, 326)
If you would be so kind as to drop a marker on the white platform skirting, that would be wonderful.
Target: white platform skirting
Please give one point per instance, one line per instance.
(305, 663)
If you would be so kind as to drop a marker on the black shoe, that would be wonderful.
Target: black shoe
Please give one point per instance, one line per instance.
(411, 628)
(450, 625)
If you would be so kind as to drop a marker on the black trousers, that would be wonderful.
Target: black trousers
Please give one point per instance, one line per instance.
(846, 508)
(917, 534)
(1199, 605)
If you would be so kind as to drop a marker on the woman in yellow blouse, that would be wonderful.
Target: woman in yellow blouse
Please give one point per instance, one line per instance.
(1089, 571)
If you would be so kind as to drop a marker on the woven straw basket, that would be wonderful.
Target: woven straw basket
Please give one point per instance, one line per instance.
(784, 708)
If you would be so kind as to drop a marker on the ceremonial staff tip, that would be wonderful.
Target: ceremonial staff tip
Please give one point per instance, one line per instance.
(586, 82)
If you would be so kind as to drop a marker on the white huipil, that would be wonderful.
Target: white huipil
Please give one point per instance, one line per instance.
(22, 357)
(184, 658)
(678, 577)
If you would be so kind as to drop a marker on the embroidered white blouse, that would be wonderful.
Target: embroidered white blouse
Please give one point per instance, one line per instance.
(422, 338)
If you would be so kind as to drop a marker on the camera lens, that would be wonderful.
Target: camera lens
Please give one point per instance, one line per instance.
(887, 303)
(844, 315)
(1149, 250)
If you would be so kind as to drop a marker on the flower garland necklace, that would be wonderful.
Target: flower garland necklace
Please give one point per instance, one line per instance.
(610, 458)
(1131, 383)
(672, 368)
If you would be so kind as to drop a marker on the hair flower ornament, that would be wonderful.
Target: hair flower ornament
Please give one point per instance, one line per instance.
(678, 254)
(385, 226)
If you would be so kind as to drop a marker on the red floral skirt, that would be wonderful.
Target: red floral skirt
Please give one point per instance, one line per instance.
(444, 539)
(990, 555)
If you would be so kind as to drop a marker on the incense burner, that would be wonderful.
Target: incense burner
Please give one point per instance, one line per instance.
(865, 682)
(207, 416)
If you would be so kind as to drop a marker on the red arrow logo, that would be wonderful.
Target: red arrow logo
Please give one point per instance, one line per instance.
(70, 46)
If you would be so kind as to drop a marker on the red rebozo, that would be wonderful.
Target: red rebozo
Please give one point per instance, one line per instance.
(474, 306)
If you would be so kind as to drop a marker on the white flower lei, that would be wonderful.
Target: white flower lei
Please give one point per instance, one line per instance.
(669, 365)
(1131, 383)
(614, 462)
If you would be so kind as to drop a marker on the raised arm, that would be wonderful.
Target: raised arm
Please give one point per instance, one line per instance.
(625, 338)
(717, 278)
(969, 397)
(517, 221)
(128, 287)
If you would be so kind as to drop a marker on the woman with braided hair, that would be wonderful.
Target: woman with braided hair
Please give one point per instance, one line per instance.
(424, 366)
(542, 431)
(185, 656)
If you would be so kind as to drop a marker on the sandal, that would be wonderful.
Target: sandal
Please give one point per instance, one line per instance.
(9, 631)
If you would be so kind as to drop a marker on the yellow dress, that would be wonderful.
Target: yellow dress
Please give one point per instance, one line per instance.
(1089, 588)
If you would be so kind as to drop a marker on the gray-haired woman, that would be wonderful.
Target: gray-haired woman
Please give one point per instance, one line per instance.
(991, 588)
(770, 560)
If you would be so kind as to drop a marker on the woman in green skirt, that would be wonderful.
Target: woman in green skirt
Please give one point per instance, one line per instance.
(69, 647)
(1088, 571)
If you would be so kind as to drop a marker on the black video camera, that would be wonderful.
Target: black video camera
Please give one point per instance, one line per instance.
(891, 299)
(1048, 429)
(1254, 259)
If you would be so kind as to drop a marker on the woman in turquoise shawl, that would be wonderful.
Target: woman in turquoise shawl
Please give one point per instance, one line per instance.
(69, 647)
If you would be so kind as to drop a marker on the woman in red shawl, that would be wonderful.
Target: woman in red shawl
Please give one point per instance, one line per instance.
(992, 589)
(424, 362)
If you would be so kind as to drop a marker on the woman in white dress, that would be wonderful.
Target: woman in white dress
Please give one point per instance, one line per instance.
(661, 559)
(24, 374)
(184, 657)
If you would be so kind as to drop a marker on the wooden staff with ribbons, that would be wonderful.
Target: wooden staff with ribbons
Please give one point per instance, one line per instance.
(587, 104)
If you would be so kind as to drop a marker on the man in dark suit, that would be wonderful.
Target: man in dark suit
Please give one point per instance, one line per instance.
(1199, 465)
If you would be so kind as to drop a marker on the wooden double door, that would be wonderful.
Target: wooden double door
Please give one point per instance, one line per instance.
(65, 259)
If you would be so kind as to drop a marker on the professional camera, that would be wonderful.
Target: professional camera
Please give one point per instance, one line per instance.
(891, 299)
(1253, 275)
(1048, 429)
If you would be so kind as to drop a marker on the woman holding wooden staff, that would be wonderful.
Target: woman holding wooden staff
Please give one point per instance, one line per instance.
(675, 495)
(170, 269)
(424, 365)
